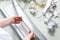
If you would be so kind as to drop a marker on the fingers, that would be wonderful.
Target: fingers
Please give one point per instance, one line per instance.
(31, 35)
(17, 19)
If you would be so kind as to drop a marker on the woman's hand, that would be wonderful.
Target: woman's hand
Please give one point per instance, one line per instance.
(16, 19)
(30, 36)
(8, 21)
